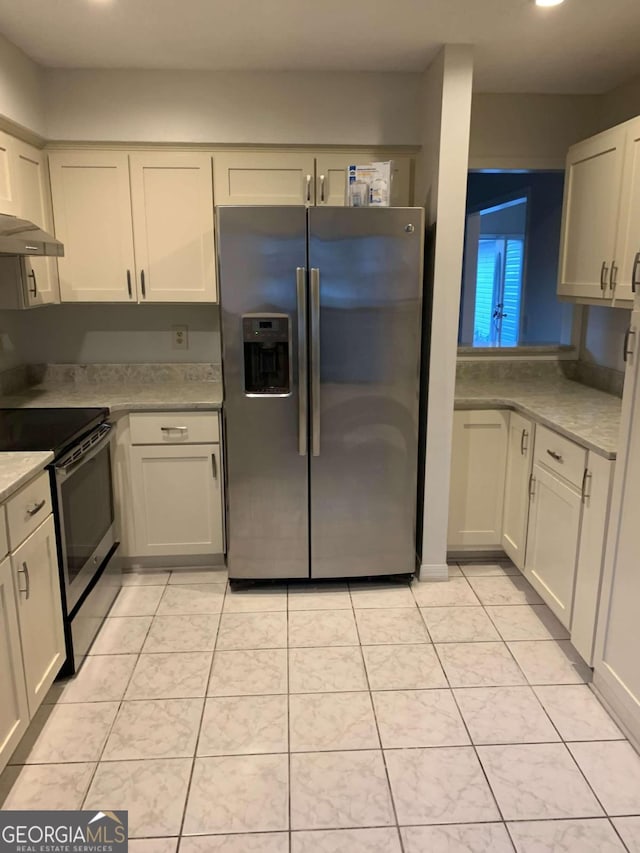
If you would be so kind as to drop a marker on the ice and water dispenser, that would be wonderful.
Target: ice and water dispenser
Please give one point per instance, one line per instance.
(267, 369)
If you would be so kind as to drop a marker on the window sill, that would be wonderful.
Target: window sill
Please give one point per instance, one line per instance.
(546, 352)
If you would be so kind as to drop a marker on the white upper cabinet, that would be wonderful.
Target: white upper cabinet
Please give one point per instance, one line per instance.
(8, 192)
(34, 204)
(591, 201)
(92, 213)
(627, 252)
(172, 202)
(331, 177)
(264, 178)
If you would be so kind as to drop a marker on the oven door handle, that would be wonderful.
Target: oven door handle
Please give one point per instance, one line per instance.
(63, 472)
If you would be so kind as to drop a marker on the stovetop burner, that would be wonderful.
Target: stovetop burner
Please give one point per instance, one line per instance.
(46, 429)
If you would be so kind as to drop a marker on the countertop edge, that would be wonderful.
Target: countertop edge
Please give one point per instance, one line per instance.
(44, 457)
(514, 405)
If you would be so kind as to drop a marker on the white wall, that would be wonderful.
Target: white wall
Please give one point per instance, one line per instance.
(603, 336)
(620, 104)
(454, 68)
(21, 96)
(313, 108)
(107, 333)
(529, 131)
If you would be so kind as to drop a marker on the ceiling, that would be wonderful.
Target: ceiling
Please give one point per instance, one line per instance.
(583, 46)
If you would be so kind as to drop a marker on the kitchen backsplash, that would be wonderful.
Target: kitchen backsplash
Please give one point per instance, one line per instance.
(24, 375)
(595, 376)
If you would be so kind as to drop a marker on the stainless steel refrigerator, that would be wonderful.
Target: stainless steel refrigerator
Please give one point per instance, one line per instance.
(321, 326)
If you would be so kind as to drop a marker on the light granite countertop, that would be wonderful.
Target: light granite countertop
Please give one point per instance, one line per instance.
(120, 397)
(589, 417)
(18, 468)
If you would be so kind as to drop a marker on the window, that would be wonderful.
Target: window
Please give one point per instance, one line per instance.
(511, 260)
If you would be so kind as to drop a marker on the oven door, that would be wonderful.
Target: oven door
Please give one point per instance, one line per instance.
(85, 511)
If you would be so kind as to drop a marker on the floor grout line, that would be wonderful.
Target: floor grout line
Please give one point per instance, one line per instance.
(353, 609)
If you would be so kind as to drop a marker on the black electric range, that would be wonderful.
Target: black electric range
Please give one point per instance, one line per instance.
(82, 491)
(46, 429)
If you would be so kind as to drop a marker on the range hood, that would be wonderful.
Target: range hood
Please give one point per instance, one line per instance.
(21, 237)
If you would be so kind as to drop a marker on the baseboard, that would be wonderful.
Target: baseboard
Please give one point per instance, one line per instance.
(434, 572)
(477, 556)
(618, 704)
(196, 561)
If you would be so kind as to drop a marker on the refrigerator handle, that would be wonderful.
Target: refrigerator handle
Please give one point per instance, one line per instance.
(315, 361)
(301, 293)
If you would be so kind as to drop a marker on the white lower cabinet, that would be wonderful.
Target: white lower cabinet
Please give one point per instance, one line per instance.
(516, 488)
(171, 465)
(32, 643)
(177, 500)
(37, 586)
(544, 500)
(617, 668)
(553, 537)
(14, 709)
(477, 479)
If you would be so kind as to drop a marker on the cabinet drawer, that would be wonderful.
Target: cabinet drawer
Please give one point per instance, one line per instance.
(28, 508)
(560, 455)
(174, 428)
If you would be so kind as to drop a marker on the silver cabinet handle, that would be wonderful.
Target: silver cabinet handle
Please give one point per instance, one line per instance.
(303, 400)
(532, 486)
(586, 479)
(604, 269)
(25, 571)
(129, 289)
(174, 429)
(634, 280)
(321, 189)
(626, 352)
(143, 285)
(33, 290)
(308, 189)
(35, 509)
(524, 438)
(315, 361)
(214, 466)
(554, 455)
(612, 276)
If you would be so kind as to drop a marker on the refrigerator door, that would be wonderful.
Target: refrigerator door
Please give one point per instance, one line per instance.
(262, 260)
(365, 270)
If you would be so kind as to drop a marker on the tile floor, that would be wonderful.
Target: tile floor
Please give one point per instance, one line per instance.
(343, 718)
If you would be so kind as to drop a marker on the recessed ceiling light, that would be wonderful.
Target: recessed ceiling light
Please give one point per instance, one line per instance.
(549, 2)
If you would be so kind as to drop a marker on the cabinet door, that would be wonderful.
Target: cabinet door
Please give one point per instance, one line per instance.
(627, 253)
(619, 623)
(92, 213)
(172, 202)
(516, 488)
(32, 182)
(14, 710)
(590, 215)
(37, 585)
(552, 541)
(177, 502)
(331, 177)
(8, 189)
(263, 178)
(477, 479)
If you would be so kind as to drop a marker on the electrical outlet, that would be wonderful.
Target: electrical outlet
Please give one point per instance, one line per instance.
(180, 337)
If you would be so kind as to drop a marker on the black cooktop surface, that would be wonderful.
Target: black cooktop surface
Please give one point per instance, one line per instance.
(46, 429)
